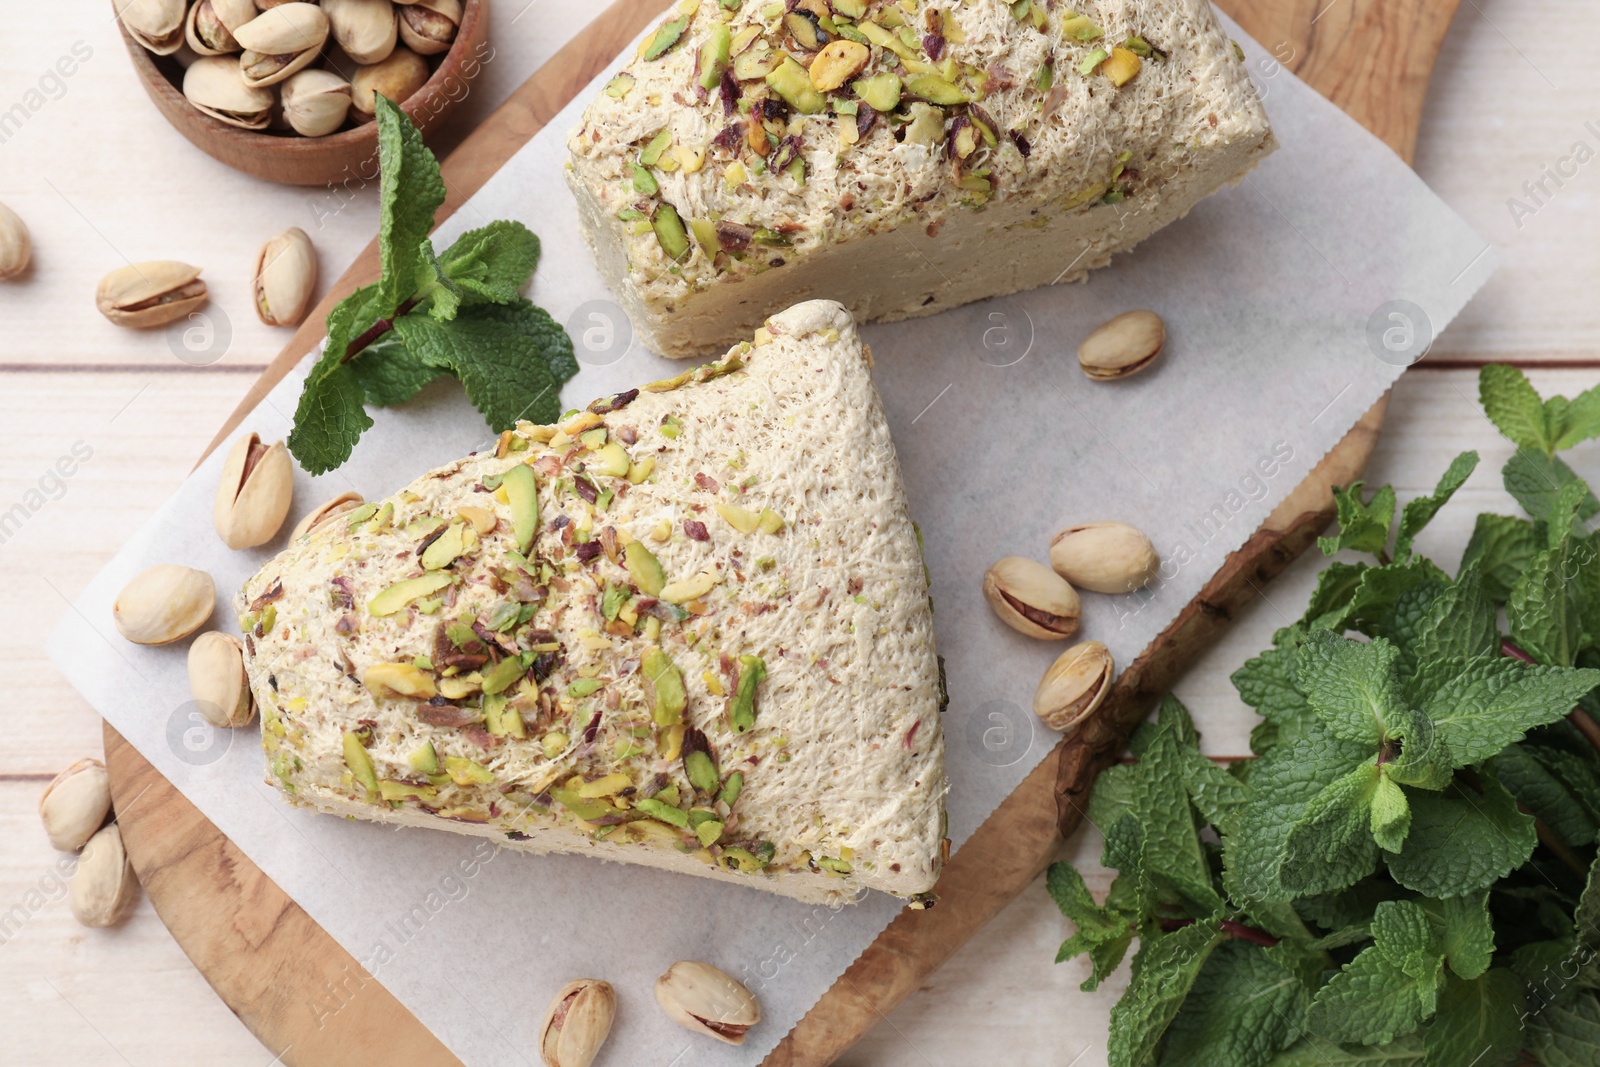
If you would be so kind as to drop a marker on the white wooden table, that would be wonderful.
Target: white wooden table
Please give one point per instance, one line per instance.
(101, 179)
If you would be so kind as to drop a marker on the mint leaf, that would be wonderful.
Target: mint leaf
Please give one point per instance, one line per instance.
(1391, 814)
(1163, 972)
(492, 264)
(1544, 612)
(410, 191)
(1371, 1001)
(329, 418)
(390, 375)
(1335, 825)
(1586, 920)
(1513, 405)
(1479, 1023)
(1267, 684)
(1461, 842)
(1460, 625)
(1353, 686)
(1336, 588)
(1244, 1007)
(1567, 422)
(1103, 933)
(1363, 527)
(1467, 932)
(1535, 479)
(1419, 512)
(1497, 700)
(503, 356)
(1372, 609)
(1315, 1052)
(1562, 1036)
(1501, 546)
(1543, 792)
(443, 295)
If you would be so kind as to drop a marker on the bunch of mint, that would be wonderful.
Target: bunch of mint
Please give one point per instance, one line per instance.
(459, 313)
(1406, 873)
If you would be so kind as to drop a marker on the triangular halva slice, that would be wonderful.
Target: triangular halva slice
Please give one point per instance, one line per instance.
(687, 628)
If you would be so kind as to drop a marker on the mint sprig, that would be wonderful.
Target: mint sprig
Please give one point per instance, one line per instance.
(1408, 872)
(459, 313)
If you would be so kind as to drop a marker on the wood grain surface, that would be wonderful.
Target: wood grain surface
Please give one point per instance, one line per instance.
(267, 959)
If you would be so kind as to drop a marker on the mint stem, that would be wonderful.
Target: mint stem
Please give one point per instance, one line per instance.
(1577, 716)
(1229, 927)
(375, 331)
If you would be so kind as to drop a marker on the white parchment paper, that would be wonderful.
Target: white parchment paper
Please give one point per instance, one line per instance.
(1292, 301)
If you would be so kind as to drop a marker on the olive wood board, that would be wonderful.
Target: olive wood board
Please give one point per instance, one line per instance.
(270, 962)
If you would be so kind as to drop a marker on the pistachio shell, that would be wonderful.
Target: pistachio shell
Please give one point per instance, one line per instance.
(235, 13)
(75, 803)
(365, 29)
(156, 24)
(103, 885)
(205, 32)
(253, 493)
(1125, 345)
(16, 248)
(1032, 599)
(217, 680)
(339, 505)
(215, 86)
(164, 604)
(1104, 557)
(280, 41)
(286, 277)
(1074, 686)
(397, 77)
(576, 1023)
(428, 27)
(700, 998)
(315, 102)
(145, 295)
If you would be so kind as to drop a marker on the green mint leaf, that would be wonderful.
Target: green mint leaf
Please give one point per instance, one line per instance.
(1544, 793)
(503, 355)
(1467, 932)
(1535, 479)
(1479, 1023)
(1497, 700)
(1419, 512)
(1513, 405)
(1564, 511)
(1586, 920)
(410, 190)
(1333, 839)
(492, 264)
(1163, 973)
(1544, 612)
(443, 295)
(1217, 794)
(1401, 931)
(1391, 814)
(329, 417)
(1353, 686)
(1315, 1052)
(1567, 1036)
(1570, 421)
(1103, 933)
(389, 374)
(1502, 547)
(1461, 842)
(1267, 684)
(1330, 602)
(1372, 609)
(1390, 987)
(1363, 527)
(1243, 1008)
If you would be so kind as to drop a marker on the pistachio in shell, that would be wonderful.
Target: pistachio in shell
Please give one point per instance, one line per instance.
(577, 1023)
(428, 27)
(206, 33)
(1074, 686)
(164, 604)
(1104, 557)
(324, 513)
(157, 25)
(397, 77)
(214, 85)
(75, 804)
(147, 295)
(315, 102)
(16, 247)
(701, 998)
(365, 29)
(1032, 599)
(1123, 346)
(103, 886)
(253, 493)
(217, 680)
(280, 41)
(286, 277)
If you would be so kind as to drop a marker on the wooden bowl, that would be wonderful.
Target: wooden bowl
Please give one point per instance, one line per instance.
(338, 157)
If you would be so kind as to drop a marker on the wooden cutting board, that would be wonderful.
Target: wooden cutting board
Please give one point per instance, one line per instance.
(274, 966)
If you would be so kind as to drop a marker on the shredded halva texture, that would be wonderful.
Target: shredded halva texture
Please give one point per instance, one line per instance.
(900, 157)
(688, 627)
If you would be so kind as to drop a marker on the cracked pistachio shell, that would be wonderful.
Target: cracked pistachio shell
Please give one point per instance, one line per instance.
(1125, 345)
(286, 278)
(75, 804)
(146, 295)
(1074, 686)
(253, 493)
(339, 505)
(217, 680)
(16, 248)
(428, 27)
(164, 604)
(700, 998)
(1104, 557)
(214, 85)
(397, 77)
(206, 33)
(156, 24)
(103, 886)
(365, 29)
(1032, 599)
(576, 1023)
(280, 41)
(315, 102)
